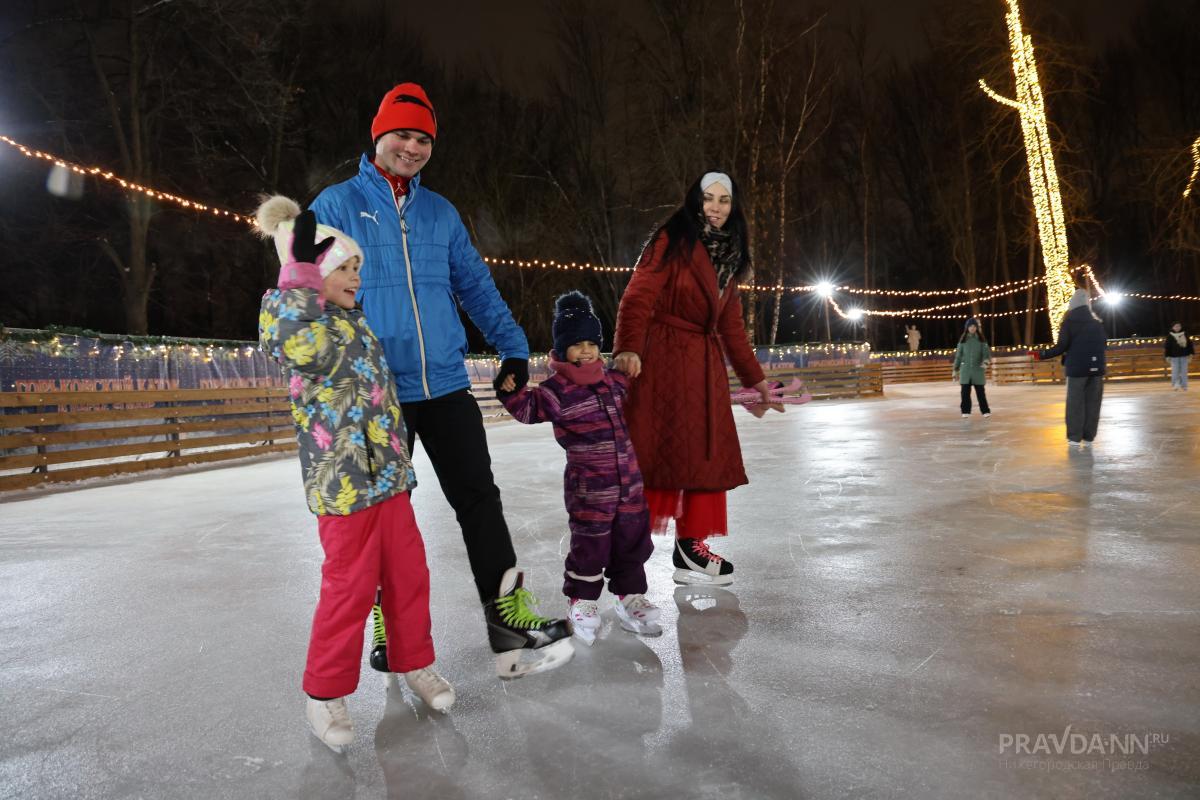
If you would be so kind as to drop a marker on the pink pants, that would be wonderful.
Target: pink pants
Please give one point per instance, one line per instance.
(378, 546)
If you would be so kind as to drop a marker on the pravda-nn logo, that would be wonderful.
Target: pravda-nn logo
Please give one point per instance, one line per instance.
(1080, 744)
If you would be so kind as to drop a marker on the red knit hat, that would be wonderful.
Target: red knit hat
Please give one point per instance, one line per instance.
(405, 108)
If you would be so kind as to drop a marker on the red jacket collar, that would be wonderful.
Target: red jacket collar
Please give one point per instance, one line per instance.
(399, 185)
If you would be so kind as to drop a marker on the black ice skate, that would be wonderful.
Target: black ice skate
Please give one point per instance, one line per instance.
(525, 642)
(379, 659)
(696, 564)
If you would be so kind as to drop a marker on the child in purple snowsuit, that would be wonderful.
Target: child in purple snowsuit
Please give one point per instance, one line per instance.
(609, 520)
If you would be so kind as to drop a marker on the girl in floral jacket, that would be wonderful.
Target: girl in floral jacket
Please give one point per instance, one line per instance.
(357, 472)
(609, 521)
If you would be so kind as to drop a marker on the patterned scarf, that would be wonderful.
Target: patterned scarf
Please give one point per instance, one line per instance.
(724, 249)
(1181, 338)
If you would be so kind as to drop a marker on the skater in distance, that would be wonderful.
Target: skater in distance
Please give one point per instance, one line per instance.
(606, 506)
(419, 267)
(1178, 351)
(357, 473)
(679, 319)
(1082, 344)
(971, 360)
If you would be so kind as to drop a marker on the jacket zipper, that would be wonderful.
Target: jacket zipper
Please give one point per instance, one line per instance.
(412, 294)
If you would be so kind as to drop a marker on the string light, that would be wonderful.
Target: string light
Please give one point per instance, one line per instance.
(1019, 284)
(892, 292)
(984, 315)
(1049, 209)
(1043, 177)
(1179, 297)
(936, 292)
(130, 186)
(552, 264)
(1195, 167)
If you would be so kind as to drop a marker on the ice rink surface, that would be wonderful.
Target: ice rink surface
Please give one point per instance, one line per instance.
(914, 593)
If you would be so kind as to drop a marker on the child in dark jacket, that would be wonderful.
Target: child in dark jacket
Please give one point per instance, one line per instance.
(609, 519)
(357, 473)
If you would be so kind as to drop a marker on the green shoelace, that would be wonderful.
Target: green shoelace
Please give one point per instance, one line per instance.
(515, 610)
(379, 636)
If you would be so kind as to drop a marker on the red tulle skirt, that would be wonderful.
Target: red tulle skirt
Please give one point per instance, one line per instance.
(697, 515)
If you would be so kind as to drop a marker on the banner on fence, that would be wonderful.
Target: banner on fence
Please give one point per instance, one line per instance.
(78, 364)
(48, 362)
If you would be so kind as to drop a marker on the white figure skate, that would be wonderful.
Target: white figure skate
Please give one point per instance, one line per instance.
(585, 620)
(330, 722)
(638, 615)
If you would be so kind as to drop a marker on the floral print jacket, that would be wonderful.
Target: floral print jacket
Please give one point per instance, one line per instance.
(348, 422)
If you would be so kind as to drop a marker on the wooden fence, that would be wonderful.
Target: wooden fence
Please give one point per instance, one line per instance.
(70, 436)
(922, 371)
(177, 427)
(1127, 364)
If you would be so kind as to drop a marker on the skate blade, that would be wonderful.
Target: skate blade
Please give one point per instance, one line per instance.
(586, 635)
(442, 702)
(389, 680)
(340, 749)
(515, 664)
(649, 629)
(686, 577)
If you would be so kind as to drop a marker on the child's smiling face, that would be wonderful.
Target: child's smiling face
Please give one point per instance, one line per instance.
(584, 352)
(342, 284)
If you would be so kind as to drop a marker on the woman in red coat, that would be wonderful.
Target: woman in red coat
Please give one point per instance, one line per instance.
(680, 318)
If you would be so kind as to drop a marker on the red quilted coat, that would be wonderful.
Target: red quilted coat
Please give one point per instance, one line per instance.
(678, 409)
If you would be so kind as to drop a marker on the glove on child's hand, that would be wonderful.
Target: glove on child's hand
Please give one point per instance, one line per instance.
(304, 268)
(304, 249)
(518, 369)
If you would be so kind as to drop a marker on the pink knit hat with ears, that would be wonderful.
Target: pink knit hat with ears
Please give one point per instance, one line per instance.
(276, 219)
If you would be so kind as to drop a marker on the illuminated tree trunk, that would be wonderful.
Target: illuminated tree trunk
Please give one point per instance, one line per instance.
(1043, 177)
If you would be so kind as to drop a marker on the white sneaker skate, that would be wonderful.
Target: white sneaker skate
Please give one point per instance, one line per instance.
(585, 619)
(330, 722)
(638, 615)
(433, 689)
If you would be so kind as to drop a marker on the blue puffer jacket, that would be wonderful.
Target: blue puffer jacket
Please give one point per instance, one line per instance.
(419, 256)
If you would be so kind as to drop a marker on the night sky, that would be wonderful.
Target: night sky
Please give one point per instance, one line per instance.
(513, 34)
(514, 44)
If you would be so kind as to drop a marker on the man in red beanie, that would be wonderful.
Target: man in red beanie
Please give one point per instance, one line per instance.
(419, 266)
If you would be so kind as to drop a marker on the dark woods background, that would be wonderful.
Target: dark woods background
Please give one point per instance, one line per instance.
(858, 162)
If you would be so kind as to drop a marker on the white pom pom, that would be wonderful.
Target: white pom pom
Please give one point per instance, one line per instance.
(273, 212)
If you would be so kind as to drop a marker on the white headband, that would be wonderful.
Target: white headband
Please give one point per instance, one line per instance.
(717, 177)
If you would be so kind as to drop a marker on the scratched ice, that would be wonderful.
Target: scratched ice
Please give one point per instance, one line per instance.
(911, 588)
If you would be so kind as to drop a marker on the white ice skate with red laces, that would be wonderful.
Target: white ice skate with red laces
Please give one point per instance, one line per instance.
(585, 619)
(638, 615)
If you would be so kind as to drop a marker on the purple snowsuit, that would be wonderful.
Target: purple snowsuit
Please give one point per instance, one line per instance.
(610, 524)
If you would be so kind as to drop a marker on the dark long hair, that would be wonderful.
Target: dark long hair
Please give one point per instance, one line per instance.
(683, 227)
(978, 332)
